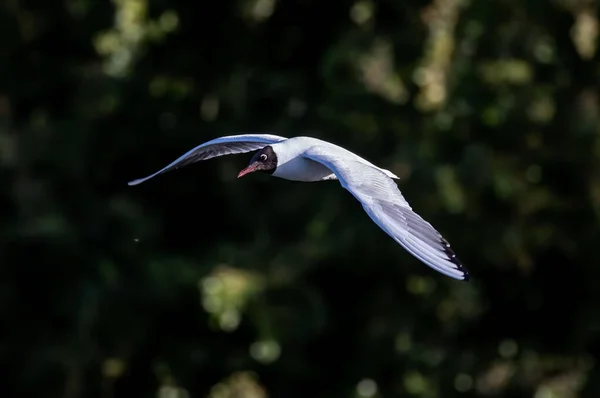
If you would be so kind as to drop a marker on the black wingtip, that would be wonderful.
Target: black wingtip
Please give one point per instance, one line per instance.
(467, 277)
(452, 257)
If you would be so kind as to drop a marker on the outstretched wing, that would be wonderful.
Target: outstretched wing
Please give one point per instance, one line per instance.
(383, 202)
(228, 145)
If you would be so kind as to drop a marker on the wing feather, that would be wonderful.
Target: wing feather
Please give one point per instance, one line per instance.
(228, 145)
(383, 202)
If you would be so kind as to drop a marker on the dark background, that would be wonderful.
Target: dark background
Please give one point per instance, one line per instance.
(196, 284)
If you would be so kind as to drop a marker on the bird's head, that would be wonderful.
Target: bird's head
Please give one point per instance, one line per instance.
(264, 161)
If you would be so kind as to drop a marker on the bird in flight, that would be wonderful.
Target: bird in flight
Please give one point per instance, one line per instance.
(310, 159)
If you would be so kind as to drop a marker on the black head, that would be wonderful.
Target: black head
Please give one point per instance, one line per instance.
(264, 161)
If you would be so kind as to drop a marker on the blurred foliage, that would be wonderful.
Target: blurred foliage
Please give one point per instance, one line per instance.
(197, 284)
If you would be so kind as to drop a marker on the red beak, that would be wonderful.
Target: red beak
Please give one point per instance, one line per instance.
(248, 170)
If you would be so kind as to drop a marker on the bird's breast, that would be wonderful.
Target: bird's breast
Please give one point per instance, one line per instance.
(302, 169)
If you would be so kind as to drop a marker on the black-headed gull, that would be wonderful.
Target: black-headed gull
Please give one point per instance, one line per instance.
(310, 159)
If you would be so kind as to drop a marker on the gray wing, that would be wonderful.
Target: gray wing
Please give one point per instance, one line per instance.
(228, 145)
(383, 202)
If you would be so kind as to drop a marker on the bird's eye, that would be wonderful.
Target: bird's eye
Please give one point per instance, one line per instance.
(263, 157)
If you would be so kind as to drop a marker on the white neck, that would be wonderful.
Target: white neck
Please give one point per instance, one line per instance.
(291, 165)
(288, 150)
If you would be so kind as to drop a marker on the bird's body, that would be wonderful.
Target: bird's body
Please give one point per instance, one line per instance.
(309, 159)
(292, 165)
(295, 167)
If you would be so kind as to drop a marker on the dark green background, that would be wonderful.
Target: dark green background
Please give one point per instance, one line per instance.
(197, 284)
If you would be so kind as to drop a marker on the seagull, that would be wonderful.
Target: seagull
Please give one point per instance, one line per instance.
(310, 159)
